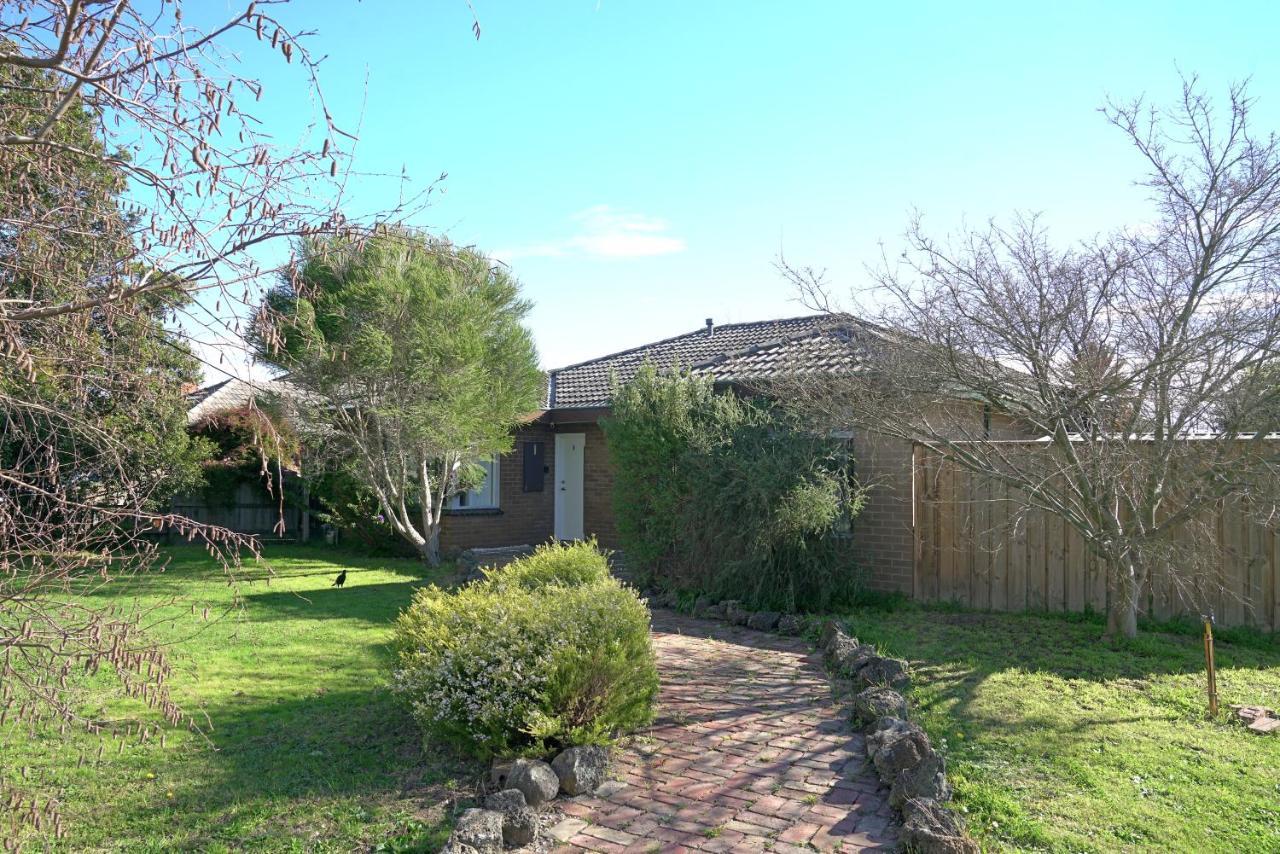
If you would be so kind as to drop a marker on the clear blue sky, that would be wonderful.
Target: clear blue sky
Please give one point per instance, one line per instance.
(640, 164)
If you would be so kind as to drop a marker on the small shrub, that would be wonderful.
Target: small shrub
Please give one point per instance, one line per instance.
(546, 652)
(554, 564)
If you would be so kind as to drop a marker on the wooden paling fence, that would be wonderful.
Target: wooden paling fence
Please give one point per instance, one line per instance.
(979, 544)
(251, 511)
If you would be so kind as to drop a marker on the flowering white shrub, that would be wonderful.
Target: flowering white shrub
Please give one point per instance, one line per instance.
(547, 652)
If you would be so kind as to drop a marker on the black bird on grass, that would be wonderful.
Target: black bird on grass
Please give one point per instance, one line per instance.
(341, 579)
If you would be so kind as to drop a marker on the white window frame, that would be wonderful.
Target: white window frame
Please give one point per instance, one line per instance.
(486, 496)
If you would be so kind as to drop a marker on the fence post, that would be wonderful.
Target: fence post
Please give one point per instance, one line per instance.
(1210, 668)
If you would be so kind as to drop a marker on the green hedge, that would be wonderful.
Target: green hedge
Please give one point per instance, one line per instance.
(549, 651)
(732, 497)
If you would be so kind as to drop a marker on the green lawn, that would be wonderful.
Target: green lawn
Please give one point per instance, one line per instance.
(306, 748)
(1057, 741)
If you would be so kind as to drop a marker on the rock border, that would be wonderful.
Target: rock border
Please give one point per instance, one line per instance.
(518, 789)
(900, 751)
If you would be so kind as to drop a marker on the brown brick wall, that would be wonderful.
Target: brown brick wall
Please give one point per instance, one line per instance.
(597, 499)
(529, 517)
(524, 518)
(883, 537)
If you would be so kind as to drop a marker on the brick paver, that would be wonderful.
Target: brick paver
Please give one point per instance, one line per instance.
(748, 753)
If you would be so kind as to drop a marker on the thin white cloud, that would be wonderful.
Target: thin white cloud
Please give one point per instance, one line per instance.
(605, 232)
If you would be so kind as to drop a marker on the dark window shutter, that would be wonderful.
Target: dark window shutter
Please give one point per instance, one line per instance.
(535, 457)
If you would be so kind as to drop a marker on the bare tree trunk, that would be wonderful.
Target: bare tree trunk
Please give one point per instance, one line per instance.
(429, 549)
(1122, 607)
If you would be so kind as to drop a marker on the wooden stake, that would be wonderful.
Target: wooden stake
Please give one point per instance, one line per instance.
(1211, 669)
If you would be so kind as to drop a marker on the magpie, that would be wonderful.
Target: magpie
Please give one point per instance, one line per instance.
(341, 579)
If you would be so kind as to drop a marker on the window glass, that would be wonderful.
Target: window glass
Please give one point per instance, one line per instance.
(484, 495)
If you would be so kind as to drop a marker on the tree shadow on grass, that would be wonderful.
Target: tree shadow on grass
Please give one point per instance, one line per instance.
(374, 603)
(1075, 738)
(1070, 649)
(178, 577)
(309, 761)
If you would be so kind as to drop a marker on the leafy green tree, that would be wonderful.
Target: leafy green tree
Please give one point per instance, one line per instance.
(93, 397)
(410, 362)
(719, 494)
(657, 425)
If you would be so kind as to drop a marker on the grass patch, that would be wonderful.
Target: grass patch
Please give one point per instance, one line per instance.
(1057, 740)
(306, 748)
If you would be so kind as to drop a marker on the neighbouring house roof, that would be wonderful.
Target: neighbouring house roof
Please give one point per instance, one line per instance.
(227, 395)
(733, 352)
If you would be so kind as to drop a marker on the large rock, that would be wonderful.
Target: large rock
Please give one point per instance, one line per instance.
(892, 672)
(453, 846)
(701, 605)
(886, 731)
(715, 612)
(906, 751)
(848, 657)
(499, 770)
(878, 702)
(830, 631)
(929, 828)
(790, 624)
(581, 769)
(735, 613)
(479, 829)
(473, 563)
(519, 821)
(765, 621)
(535, 780)
(661, 599)
(839, 648)
(926, 779)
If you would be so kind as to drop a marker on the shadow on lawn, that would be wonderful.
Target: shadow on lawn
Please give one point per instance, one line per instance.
(1071, 649)
(374, 603)
(188, 568)
(955, 654)
(313, 758)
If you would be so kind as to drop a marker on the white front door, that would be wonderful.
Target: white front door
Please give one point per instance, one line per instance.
(568, 465)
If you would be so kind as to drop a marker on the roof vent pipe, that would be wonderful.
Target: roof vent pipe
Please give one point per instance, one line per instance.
(710, 327)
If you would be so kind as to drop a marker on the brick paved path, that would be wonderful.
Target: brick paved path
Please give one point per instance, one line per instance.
(748, 753)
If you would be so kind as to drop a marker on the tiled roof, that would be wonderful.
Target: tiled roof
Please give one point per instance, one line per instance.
(229, 394)
(731, 351)
(823, 352)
